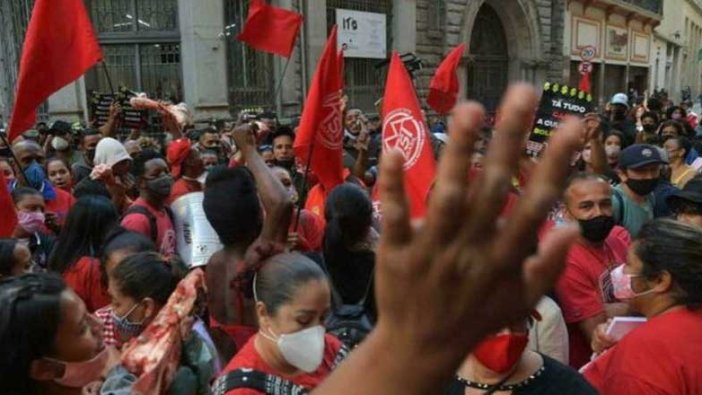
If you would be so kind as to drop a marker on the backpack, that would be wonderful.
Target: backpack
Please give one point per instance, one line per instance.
(136, 209)
(350, 323)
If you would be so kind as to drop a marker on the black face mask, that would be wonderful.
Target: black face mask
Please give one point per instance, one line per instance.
(648, 128)
(596, 229)
(90, 155)
(642, 187)
(287, 163)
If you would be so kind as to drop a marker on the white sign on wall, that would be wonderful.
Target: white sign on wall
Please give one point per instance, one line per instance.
(361, 34)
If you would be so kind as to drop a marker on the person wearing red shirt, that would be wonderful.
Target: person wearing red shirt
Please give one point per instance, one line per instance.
(75, 253)
(148, 214)
(662, 279)
(234, 202)
(584, 291)
(291, 347)
(187, 167)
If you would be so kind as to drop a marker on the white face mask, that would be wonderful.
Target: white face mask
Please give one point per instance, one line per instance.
(613, 150)
(303, 349)
(59, 143)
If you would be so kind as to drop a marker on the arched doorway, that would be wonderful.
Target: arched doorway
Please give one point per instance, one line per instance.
(488, 72)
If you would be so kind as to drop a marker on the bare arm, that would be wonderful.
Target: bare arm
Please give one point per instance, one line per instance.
(107, 130)
(274, 197)
(443, 287)
(588, 326)
(598, 155)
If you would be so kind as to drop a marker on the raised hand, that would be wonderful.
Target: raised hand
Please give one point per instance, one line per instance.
(440, 289)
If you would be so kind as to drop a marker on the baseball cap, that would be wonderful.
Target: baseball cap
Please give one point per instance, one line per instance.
(31, 134)
(60, 127)
(692, 192)
(176, 154)
(620, 98)
(640, 155)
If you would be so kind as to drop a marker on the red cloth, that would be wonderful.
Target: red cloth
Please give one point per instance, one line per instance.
(271, 29)
(61, 205)
(154, 355)
(84, 278)
(662, 357)
(166, 238)
(109, 334)
(310, 231)
(584, 82)
(404, 129)
(321, 129)
(585, 286)
(316, 199)
(55, 52)
(443, 88)
(249, 358)
(183, 187)
(176, 154)
(8, 215)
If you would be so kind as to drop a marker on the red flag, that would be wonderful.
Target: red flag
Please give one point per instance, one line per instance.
(404, 129)
(321, 128)
(8, 216)
(59, 47)
(271, 29)
(443, 89)
(584, 82)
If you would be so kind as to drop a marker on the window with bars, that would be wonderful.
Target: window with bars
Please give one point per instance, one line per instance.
(140, 41)
(364, 81)
(249, 72)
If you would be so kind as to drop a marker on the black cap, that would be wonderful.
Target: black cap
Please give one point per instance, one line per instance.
(640, 155)
(692, 193)
(60, 127)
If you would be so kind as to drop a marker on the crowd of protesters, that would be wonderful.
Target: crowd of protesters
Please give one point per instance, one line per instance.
(315, 289)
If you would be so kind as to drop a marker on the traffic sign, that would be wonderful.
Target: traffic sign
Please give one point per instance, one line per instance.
(585, 68)
(588, 53)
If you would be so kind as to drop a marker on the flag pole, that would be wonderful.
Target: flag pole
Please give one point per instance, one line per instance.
(304, 182)
(107, 76)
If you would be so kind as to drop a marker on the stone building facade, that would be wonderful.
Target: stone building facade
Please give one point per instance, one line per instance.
(185, 50)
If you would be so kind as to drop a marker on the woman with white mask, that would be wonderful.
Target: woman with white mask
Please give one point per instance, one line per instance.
(291, 351)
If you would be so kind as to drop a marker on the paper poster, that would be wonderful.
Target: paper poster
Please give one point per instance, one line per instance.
(361, 34)
(557, 102)
(130, 118)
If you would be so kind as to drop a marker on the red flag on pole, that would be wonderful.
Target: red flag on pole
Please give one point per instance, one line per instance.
(443, 89)
(404, 129)
(321, 133)
(8, 216)
(271, 29)
(59, 47)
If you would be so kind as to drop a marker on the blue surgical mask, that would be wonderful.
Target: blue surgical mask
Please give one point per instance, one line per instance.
(124, 326)
(35, 175)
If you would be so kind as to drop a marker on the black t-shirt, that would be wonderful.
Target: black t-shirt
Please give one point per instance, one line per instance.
(556, 379)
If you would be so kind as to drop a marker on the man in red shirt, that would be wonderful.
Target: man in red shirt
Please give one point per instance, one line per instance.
(186, 166)
(148, 214)
(584, 290)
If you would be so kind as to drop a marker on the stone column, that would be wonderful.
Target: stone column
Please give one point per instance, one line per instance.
(68, 103)
(203, 58)
(404, 25)
(315, 34)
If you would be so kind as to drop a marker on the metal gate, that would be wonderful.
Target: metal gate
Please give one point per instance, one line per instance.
(488, 72)
(249, 72)
(364, 81)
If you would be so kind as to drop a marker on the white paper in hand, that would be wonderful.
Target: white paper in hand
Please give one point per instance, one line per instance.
(620, 326)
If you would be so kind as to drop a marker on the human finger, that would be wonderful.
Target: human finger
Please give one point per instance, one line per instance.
(393, 200)
(543, 190)
(501, 161)
(447, 205)
(542, 270)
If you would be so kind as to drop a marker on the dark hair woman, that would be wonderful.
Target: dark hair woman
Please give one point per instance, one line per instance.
(349, 244)
(15, 258)
(291, 348)
(75, 255)
(50, 343)
(662, 280)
